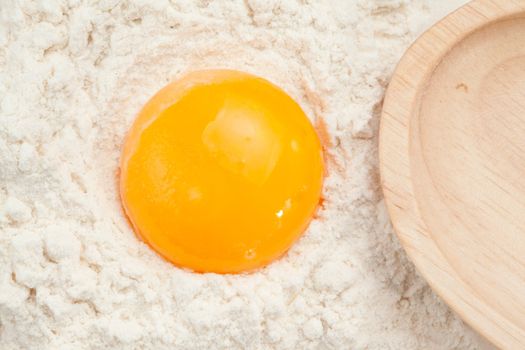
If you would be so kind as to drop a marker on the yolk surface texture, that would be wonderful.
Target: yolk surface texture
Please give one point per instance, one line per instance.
(221, 172)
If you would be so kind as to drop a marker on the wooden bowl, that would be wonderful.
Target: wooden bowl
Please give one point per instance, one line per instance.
(452, 158)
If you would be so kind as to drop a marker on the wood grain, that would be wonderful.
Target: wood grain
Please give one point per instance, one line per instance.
(452, 160)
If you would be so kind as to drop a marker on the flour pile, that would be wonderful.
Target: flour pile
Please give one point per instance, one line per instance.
(73, 74)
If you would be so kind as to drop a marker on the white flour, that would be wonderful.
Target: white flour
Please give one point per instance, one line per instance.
(73, 275)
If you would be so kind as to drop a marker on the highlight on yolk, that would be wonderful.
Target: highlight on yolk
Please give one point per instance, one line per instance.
(221, 172)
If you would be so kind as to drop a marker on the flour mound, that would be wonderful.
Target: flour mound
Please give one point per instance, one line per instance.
(72, 273)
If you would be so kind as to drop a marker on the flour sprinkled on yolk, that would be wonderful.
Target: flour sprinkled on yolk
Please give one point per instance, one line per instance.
(221, 172)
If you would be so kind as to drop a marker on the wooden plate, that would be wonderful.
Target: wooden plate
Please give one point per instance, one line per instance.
(452, 154)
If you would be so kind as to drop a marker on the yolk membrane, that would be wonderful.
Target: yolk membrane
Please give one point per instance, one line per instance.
(221, 172)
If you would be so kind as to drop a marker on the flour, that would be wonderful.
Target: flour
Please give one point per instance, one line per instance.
(73, 74)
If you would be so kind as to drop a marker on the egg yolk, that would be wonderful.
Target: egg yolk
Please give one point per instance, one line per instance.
(221, 172)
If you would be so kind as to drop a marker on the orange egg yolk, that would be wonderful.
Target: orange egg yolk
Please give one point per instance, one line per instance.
(221, 172)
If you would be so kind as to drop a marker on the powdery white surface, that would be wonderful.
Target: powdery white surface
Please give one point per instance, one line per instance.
(72, 274)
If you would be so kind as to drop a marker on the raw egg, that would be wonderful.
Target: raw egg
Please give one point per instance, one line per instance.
(221, 172)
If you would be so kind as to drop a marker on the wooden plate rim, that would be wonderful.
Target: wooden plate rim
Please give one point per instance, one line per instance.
(401, 100)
